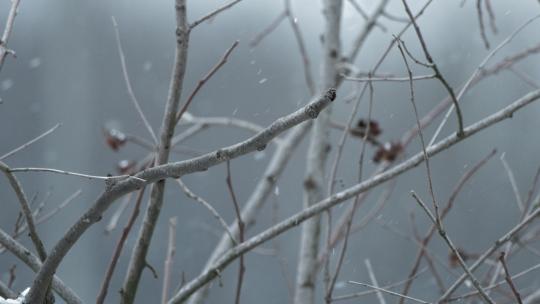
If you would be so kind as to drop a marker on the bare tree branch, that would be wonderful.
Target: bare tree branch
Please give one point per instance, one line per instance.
(474, 293)
(33, 262)
(390, 292)
(27, 212)
(316, 158)
(158, 173)
(138, 258)
(498, 243)
(519, 200)
(212, 14)
(203, 80)
(301, 47)
(364, 32)
(30, 142)
(450, 203)
(480, 70)
(4, 51)
(508, 278)
(208, 206)
(363, 293)
(374, 281)
(169, 262)
(241, 227)
(293, 221)
(437, 221)
(435, 69)
(128, 83)
(481, 23)
(118, 249)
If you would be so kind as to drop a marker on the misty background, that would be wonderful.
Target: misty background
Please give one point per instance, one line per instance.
(68, 71)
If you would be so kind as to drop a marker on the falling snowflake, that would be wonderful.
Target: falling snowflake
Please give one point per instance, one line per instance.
(6, 84)
(147, 66)
(34, 63)
(259, 155)
(263, 80)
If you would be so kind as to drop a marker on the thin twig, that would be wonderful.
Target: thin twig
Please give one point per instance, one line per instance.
(390, 292)
(268, 30)
(498, 243)
(374, 281)
(119, 247)
(474, 293)
(453, 248)
(481, 23)
(212, 14)
(25, 209)
(284, 267)
(389, 79)
(4, 51)
(242, 267)
(435, 68)
(417, 61)
(208, 206)
(511, 177)
(20, 229)
(12, 275)
(505, 63)
(301, 47)
(190, 119)
(420, 133)
(128, 83)
(30, 142)
(508, 278)
(113, 222)
(365, 16)
(357, 199)
(99, 177)
(491, 15)
(480, 69)
(363, 293)
(57, 209)
(329, 286)
(169, 259)
(429, 260)
(395, 18)
(6, 292)
(366, 30)
(203, 80)
(429, 254)
(450, 203)
(525, 78)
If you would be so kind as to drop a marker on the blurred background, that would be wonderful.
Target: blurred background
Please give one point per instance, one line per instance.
(68, 71)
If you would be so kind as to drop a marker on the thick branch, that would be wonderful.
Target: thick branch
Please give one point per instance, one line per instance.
(317, 156)
(154, 174)
(138, 258)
